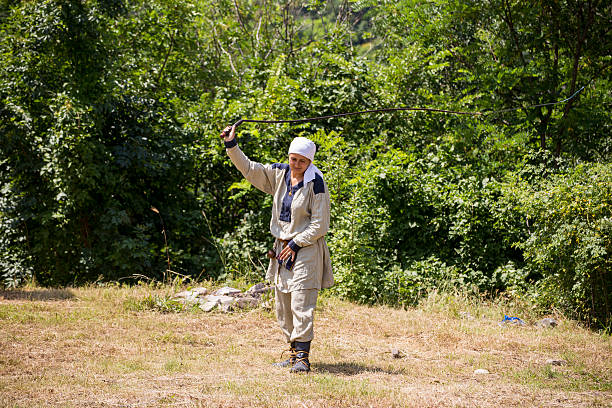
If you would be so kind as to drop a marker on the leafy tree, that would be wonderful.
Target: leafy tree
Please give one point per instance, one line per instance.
(91, 141)
(111, 165)
(498, 54)
(569, 239)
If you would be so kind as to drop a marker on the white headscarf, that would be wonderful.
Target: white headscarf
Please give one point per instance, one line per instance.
(306, 147)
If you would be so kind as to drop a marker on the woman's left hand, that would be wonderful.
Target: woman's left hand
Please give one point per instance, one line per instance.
(287, 253)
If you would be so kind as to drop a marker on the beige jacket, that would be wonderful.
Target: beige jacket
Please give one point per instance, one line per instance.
(307, 228)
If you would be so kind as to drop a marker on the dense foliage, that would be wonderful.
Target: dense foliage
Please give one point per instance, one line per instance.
(569, 241)
(111, 165)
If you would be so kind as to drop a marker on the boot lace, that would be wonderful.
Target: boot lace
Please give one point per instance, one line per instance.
(292, 354)
(303, 358)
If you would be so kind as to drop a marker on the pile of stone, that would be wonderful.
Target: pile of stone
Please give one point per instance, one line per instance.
(225, 299)
(546, 323)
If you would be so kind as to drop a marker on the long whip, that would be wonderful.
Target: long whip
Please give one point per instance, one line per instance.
(453, 112)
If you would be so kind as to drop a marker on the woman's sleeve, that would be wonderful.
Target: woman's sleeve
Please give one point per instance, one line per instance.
(319, 218)
(261, 176)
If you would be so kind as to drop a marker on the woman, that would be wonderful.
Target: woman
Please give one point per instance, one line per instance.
(300, 220)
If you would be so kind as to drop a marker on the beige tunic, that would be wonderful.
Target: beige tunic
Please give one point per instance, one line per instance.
(309, 224)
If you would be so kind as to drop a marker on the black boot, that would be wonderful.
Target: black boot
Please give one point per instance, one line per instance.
(291, 360)
(302, 350)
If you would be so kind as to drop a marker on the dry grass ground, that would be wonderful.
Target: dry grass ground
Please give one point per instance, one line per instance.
(96, 347)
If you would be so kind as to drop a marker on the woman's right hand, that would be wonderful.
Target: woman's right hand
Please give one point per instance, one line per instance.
(228, 133)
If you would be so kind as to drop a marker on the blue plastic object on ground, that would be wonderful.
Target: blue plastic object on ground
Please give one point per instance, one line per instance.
(513, 320)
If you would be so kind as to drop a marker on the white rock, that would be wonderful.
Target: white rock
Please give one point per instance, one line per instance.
(547, 323)
(189, 300)
(201, 291)
(191, 294)
(256, 287)
(209, 302)
(208, 306)
(219, 299)
(226, 300)
(226, 291)
(481, 371)
(183, 294)
(246, 302)
(225, 307)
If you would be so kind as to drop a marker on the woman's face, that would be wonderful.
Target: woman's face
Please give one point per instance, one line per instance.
(298, 164)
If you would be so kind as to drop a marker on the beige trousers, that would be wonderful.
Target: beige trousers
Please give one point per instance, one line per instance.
(295, 313)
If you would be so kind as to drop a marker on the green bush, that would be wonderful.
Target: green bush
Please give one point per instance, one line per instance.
(110, 108)
(404, 224)
(568, 218)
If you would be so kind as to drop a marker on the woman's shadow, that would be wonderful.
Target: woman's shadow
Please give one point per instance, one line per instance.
(350, 369)
(36, 294)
